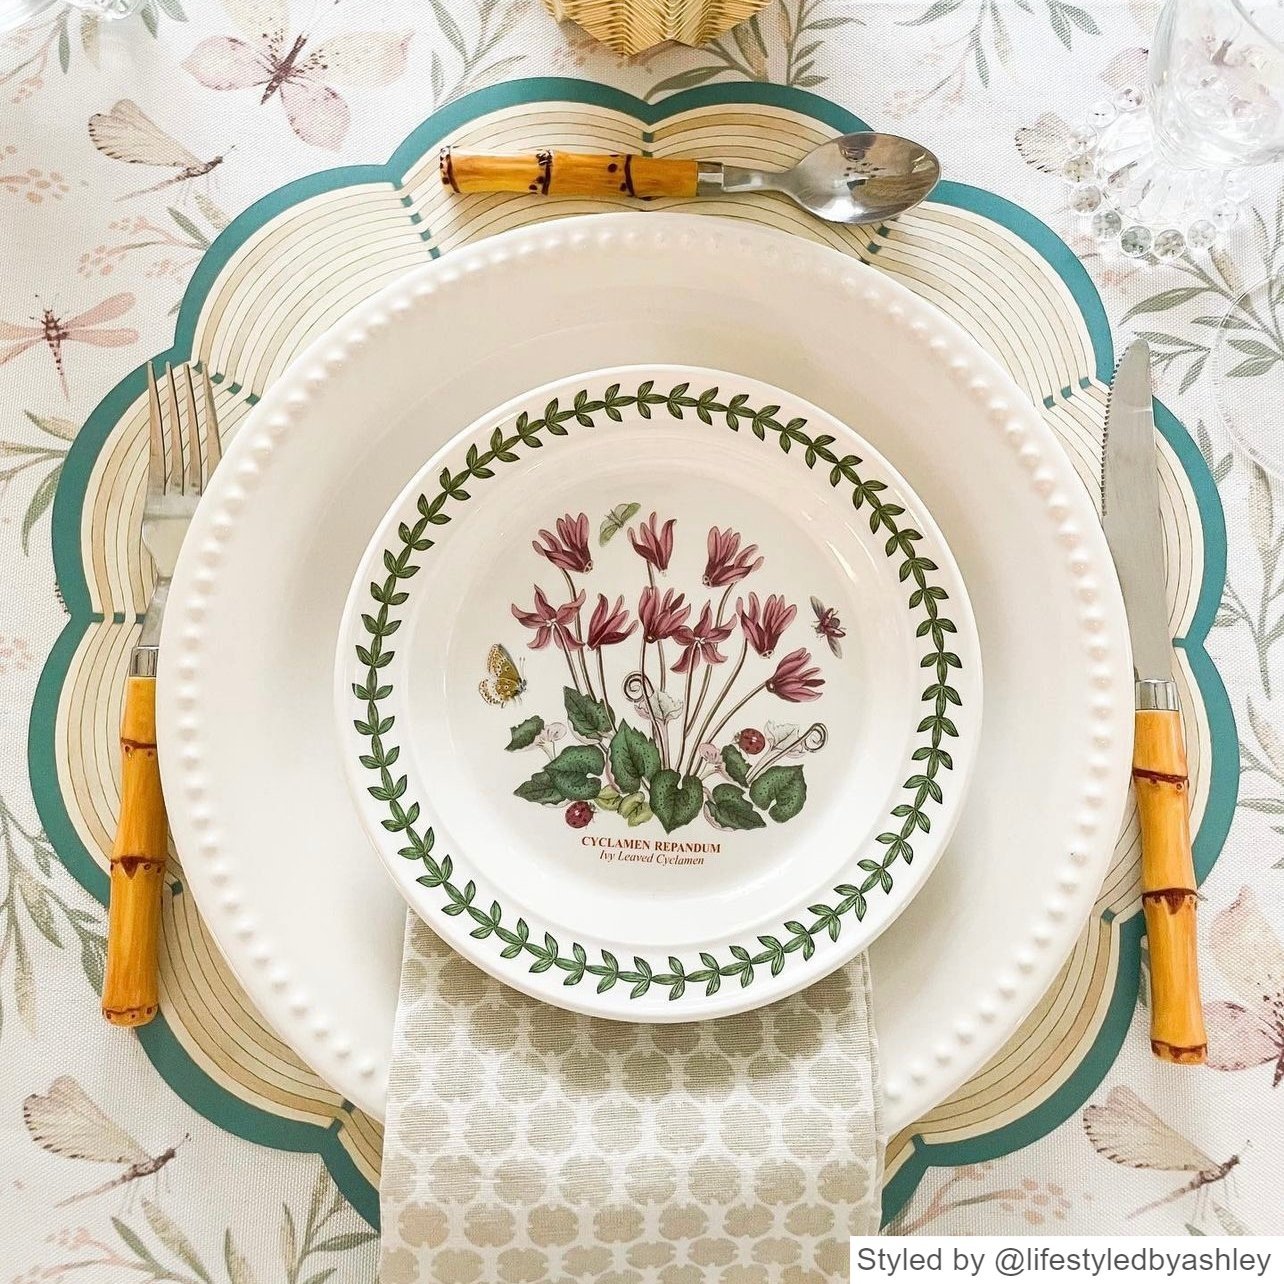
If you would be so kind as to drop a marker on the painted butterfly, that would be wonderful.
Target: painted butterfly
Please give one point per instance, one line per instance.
(615, 521)
(504, 681)
(828, 626)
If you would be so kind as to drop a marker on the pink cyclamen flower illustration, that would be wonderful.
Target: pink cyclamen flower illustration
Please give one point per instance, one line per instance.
(662, 615)
(549, 622)
(764, 624)
(607, 626)
(654, 544)
(569, 548)
(728, 563)
(794, 680)
(701, 641)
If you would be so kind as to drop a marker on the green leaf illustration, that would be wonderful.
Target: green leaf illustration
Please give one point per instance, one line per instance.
(635, 810)
(608, 799)
(732, 810)
(523, 735)
(734, 761)
(540, 788)
(780, 792)
(576, 771)
(634, 758)
(589, 717)
(676, 802)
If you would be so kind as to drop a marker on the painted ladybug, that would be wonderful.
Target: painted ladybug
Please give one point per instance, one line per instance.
(578, 814)
(751, 741)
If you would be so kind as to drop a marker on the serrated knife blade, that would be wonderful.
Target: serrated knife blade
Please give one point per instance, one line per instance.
(1130, 499)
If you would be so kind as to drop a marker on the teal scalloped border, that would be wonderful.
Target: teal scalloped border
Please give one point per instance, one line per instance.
(167, 1055)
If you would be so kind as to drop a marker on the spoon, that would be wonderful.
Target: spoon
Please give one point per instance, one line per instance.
(856, 178)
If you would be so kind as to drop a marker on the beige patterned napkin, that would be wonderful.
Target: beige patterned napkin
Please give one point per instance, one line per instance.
(525, 1143)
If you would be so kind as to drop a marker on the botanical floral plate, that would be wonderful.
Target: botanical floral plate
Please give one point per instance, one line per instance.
(658, 691)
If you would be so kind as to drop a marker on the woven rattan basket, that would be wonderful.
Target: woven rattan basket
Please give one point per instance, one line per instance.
(630, 26)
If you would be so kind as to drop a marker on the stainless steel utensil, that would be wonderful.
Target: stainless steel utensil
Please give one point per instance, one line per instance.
(856, 178)
(183, 451)
(1130, 499)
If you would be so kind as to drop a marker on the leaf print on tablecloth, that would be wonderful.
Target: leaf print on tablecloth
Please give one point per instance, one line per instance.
(1251, 958)
(67, 31)
(466, 58)
(314, 1246)
(1263, 617)
(34, 916)
(300, 69)
(747, 52)
(988, 38)
(1212, 297)
(1035, 1201)
(42, 459)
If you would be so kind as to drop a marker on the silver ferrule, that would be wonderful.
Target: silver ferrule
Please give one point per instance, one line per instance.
(709, 178)
(142, 661)
(1158, 694)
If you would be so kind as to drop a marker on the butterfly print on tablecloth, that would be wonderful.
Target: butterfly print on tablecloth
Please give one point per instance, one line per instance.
(65, 1121)
(53, 331)
(1250, 956)
(298, 68)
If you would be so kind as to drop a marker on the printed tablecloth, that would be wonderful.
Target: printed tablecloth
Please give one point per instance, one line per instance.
(989, 85)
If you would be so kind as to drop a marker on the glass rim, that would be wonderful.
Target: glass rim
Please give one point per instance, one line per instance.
(1273, 41)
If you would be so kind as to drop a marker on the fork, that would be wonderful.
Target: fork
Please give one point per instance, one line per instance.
(179, 467)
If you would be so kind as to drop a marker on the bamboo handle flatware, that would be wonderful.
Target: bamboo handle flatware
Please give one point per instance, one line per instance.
(1130, 499)
(546, 173)
(183, 450)
(857, 178)
(1168, 886)
(137, 865)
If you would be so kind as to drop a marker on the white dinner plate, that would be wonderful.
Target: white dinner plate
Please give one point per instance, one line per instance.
(658, 692)
(271, 842)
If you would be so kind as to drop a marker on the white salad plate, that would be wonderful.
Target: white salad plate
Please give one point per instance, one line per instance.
(252, 760)
(658, 692)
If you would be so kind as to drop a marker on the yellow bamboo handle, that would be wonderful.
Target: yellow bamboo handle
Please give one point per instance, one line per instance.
(137, 866)
(1168, 887)
(548, 173)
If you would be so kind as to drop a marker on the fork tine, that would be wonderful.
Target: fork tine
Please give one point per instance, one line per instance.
(173, 432)
(192, 468)
(213, 442)
(155, 439)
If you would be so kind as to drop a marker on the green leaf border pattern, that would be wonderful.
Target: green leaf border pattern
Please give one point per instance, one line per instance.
(921, 789)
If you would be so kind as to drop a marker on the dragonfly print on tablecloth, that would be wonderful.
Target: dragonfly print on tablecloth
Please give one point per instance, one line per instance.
(127, 133)
(1127, 1132)
(300, 69)
(66, 1122)
(53, 331)
(693, 746)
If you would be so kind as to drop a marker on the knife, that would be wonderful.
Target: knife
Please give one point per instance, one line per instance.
(1130, 499)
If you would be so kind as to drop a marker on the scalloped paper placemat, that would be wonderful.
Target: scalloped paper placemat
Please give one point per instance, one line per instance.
(274, 280)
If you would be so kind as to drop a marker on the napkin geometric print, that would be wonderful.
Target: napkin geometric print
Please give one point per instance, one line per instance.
(524, 1143)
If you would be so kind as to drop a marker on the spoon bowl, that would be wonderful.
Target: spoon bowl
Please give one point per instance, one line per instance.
(855, 178)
